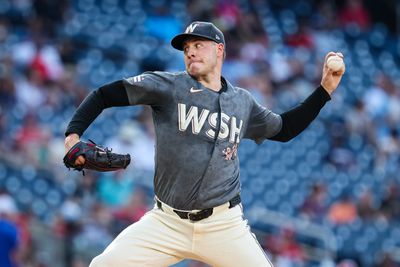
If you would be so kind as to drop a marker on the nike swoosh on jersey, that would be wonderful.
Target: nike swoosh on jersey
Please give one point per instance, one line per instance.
(192, 90)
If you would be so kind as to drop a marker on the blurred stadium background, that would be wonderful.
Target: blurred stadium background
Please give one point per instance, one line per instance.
(331, 197)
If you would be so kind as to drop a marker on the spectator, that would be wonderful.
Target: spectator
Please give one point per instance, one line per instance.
(379, 98)
(114, 188)
(360, 123)
(390, 146)
(354, 13)
(387, 261)
(133, 139)
(347, 263)
(340, 155)
(31, 139)
(343, 211)
(133, 210)
(39, 55)
(302, 38)
(30, 90)
(315, 205)
(9, 241)
(324, 18)
(201, 9)
(367, 208)
(250, 29)
(228, 13)
(286, 248)
(71, 220)
(94, 234)
(7, 203)
(7, 91)
(86, 191)
(3, 129)
(390, 206)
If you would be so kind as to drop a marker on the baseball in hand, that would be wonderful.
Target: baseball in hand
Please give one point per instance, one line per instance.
(335, 63)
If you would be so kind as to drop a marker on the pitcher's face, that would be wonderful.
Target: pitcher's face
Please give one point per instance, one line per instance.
(200, 56)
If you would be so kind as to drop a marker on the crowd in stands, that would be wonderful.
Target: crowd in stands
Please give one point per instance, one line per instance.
(53, 53)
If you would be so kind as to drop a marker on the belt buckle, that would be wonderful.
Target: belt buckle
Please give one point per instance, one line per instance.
(193, 216)
(200, 215)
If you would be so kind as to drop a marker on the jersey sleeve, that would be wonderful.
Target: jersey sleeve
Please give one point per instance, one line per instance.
(149, 88)
(263, 123)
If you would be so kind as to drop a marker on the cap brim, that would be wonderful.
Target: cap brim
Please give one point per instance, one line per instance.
(177, 41)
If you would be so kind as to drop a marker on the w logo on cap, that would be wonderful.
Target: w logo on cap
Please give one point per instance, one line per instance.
(191, 28)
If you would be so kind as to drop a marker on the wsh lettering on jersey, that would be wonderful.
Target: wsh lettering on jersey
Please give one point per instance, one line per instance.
(230, 127)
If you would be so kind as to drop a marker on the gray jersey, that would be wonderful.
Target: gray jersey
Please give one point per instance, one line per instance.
(196, 166)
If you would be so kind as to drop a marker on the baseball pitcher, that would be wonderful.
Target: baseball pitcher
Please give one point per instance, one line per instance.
(200, 119)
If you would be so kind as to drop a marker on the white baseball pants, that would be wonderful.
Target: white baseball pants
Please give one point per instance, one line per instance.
(161, 238)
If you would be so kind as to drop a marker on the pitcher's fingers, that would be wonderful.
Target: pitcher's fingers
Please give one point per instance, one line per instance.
(80, 161)
(341, 71)
(329, 55)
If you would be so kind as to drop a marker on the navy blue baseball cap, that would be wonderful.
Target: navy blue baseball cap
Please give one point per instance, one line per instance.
(202, 29)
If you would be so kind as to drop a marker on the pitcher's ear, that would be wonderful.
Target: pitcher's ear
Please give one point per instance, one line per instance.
(221, 48)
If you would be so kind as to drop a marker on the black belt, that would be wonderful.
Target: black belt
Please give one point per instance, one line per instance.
(202, 214)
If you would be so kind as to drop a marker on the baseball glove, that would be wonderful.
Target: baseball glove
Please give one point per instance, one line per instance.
(96, 158)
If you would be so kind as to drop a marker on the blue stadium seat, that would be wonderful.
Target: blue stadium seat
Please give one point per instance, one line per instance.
(40, 186)
(12, 184)
(3, 172)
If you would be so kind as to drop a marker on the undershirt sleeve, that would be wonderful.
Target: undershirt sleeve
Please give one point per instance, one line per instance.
(297, 119)
(109, 95)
